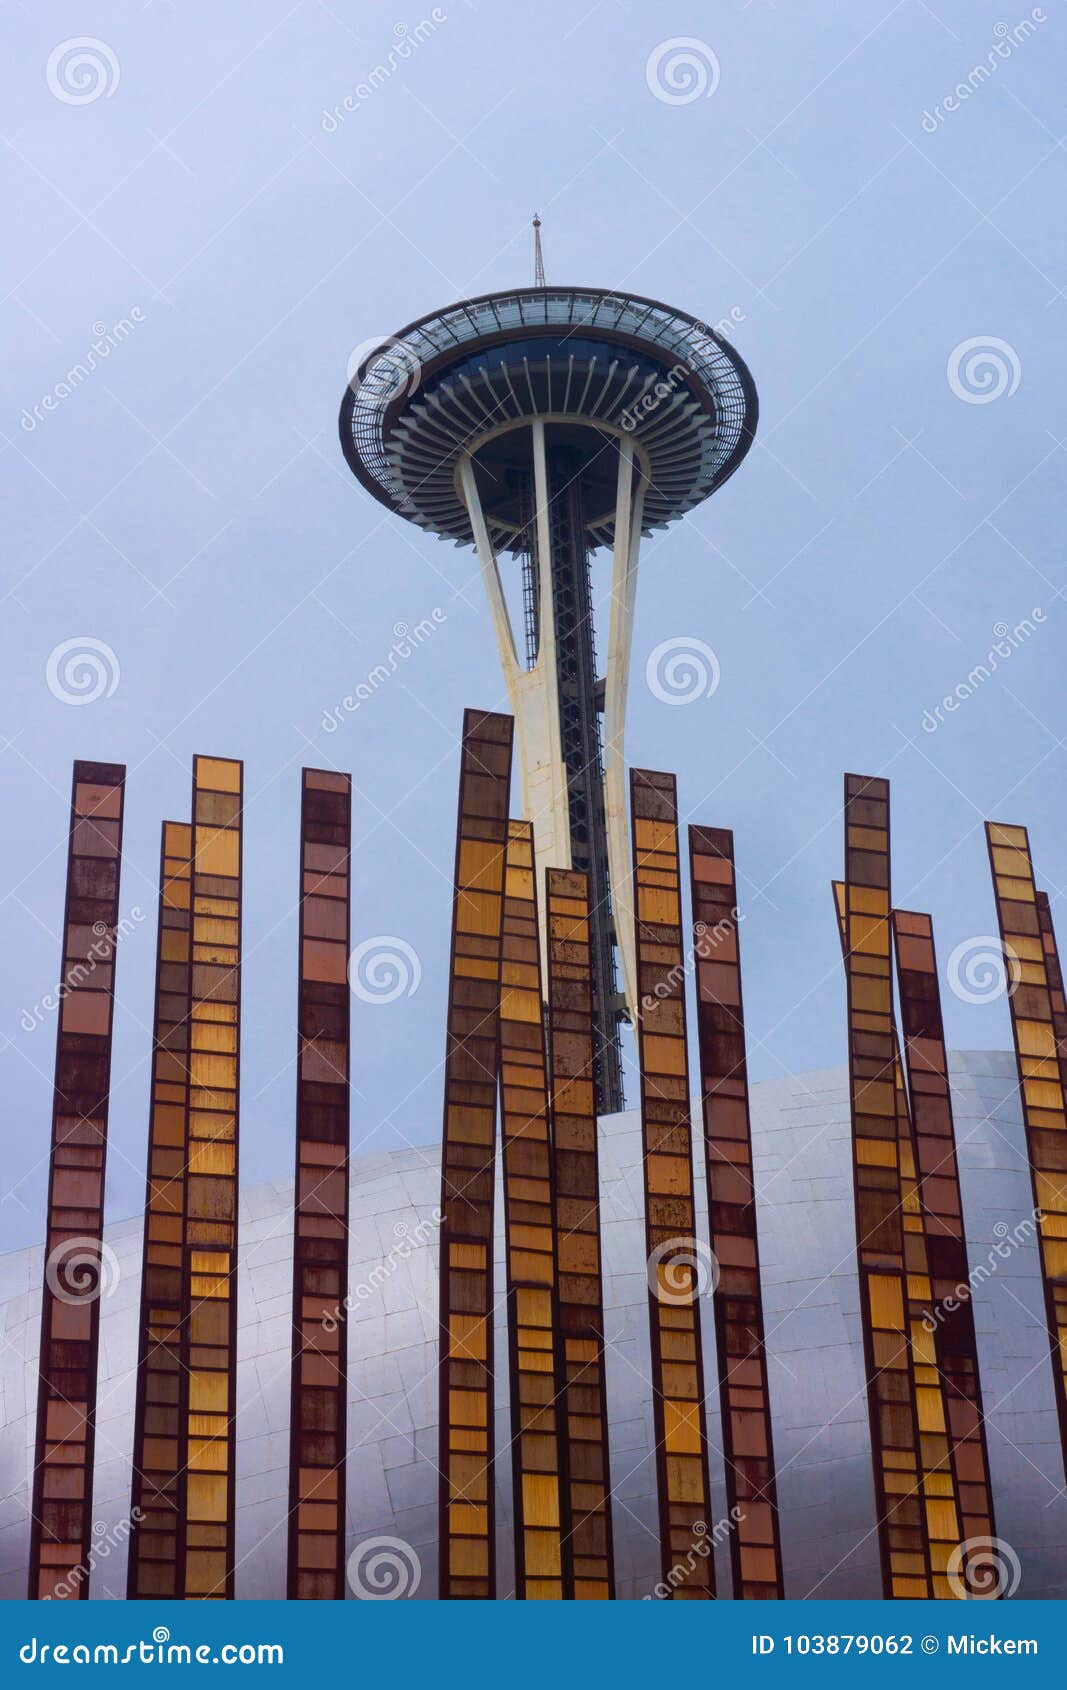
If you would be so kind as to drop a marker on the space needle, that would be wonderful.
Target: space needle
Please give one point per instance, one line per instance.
(547, 426)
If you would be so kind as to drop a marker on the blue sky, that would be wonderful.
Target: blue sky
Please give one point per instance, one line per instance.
(186, 504)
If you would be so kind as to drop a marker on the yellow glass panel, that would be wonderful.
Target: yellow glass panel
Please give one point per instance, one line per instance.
(208, 1392)
(478, 912)
(941, 1519)
(931, 1412)
(540, 1499)
(681, 1427)
(887, 1304)
(516, 1005)
(207, 1496)
(212, 1158)
(656, 904)
(218, 851)
(218, 774)
(209, 1069)
(1035, 1038)
(664, 1056)
(467, 1408)
(481, 864)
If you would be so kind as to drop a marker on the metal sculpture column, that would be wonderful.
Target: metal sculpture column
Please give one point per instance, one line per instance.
(157, 1498)
(76, 1260)
(468, 1160)
(676, 1273)
(210, 1270)
(319, 1397)
(748, 1446)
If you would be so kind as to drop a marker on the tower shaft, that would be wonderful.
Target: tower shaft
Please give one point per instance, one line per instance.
(579, 728)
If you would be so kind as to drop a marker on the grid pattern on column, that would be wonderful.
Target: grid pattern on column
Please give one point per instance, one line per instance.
(577, 1179)
(940, 1483)
(76, 1267)
(955, 1341)
(210, 1277)
(157, 1498)
(880, 1236)
(316, 1549)
(670, 1222)
(931, 1395)
(932, 1387)
(1042, 1072)
(542, 1569)
(468, 1567)
(755, 1548)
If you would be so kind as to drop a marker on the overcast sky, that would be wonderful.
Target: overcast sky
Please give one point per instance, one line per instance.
(191, 191)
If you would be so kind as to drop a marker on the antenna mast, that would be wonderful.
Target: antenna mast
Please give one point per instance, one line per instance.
(539, 261)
